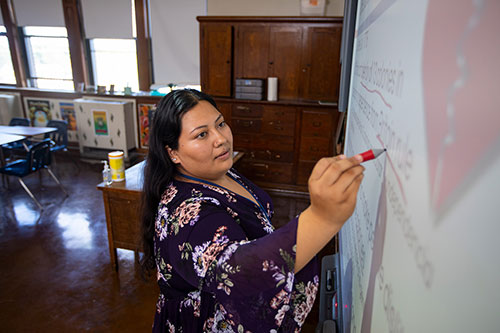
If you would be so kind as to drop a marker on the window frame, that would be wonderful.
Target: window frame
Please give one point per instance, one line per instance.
(92, 64)
(29, 59)
(4, 34)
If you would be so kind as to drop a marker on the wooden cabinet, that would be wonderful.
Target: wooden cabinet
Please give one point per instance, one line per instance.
(252, 51)
(316, 139)
(216, 58)
(285, 59)
(302, 52)
(321, 63)
(261, 51)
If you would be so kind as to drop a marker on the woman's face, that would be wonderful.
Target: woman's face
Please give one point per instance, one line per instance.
(205, 144)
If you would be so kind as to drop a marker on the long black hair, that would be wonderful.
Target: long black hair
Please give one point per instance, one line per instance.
(159, 170)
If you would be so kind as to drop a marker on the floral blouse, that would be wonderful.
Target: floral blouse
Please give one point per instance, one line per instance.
(221, 267)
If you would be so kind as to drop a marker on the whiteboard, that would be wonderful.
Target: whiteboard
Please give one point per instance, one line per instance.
(421, 251)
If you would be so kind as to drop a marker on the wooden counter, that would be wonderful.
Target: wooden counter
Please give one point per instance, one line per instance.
(121, 204)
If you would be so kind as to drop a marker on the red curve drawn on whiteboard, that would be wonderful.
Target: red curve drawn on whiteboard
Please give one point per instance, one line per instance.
(378, 93)
(393, 169)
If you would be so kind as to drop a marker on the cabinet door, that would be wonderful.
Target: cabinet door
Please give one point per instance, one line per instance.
(252, 51)
(321, 67)
(216, 59)
(285, 59)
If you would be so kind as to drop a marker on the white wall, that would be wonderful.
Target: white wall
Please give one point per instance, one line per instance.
(267, 7)
(175, 40)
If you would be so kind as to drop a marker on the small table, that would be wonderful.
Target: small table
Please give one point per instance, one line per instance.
(26, 131)
(9, 138)
(121, 204)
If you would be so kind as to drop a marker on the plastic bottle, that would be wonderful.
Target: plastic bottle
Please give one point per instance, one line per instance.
(106, 174)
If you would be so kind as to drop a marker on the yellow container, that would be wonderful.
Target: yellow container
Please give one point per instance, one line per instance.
(117, 166)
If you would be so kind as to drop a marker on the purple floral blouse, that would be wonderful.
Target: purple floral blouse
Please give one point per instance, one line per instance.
(221, 267)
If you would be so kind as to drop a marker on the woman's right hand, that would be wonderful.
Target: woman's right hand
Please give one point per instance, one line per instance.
(333, 188)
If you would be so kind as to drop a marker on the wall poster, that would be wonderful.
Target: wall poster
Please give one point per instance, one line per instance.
(100, 122)
(146, 112)
(68, 114)
(39, 112)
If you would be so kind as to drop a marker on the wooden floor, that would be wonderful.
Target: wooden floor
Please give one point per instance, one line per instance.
(55, 268)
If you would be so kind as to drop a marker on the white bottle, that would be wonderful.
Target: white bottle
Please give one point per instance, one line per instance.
(106, 174)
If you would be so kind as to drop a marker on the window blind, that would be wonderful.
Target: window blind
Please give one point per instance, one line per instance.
(107, 18)
(45, 13)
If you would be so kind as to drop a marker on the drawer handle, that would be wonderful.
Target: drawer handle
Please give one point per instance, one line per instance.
(245, 140)
(261, 165)
(246, 123)
(260, 174)
(243, 108)
(279, 128)
(278, 156)
(317, 123)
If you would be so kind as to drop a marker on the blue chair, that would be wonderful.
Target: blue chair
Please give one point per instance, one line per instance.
(19, 122)
(37, 158)
(59, 138)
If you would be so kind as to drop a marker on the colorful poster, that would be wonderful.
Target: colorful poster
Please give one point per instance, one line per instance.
(68, 114)
(146, 112)
(39, 112)
(100, 122)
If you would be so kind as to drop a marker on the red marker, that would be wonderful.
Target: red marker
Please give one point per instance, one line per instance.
(372, 154)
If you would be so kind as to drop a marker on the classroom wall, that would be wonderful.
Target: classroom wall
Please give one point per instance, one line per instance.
(174, 29)
(176, 56)
(267, 7)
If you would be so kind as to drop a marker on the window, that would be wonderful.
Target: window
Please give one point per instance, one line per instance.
(49, 62)
(7, 74)
(114, 61)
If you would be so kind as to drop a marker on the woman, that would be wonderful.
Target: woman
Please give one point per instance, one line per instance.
(220, 265)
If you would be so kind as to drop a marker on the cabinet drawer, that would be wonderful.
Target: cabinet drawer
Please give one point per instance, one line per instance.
(248, 110)
(317, 124)
(246, 125)
(270, 155)
(269, 172)
(279, 120)
(279, 127)
(304, 170)
(262, 142)
(312, 149)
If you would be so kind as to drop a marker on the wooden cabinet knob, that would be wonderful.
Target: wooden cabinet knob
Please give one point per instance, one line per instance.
(261, 165)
